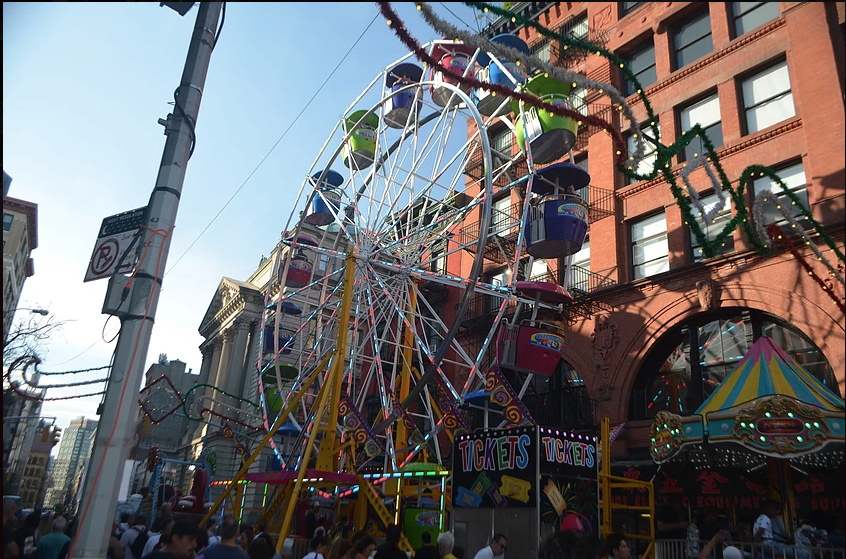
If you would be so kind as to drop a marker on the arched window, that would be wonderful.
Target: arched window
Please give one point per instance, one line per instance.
(690, 361)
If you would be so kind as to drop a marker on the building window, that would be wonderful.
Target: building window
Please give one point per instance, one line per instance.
(577, 98)
(628, 7)
(542, 50)
(641, 63)
(579, 29)
(690, 361)
(705, 113)
(650, 252)
(7, 221)
(747, 16)
(793, 178)
(713, 227)
(501, 141)
(647, 163)
(692, 40)
(579, 279)
(767, 98)
(501, 213)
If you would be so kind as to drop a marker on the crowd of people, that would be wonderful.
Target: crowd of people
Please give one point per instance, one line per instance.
(38, 535)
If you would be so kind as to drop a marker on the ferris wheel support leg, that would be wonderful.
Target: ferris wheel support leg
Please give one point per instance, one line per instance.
(361, 503)
(327, 456)
(292, 405)
(291, 505)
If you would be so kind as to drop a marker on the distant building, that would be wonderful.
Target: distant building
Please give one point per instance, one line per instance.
(168, 434)
(33, 483)
(20, 238)
(75, 447)
(18, 434)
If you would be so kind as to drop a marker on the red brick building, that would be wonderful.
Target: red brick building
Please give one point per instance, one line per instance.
(656, 326)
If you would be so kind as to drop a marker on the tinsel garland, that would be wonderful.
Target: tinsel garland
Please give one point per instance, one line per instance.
(533, 62)
(777, 234)
(402, 33)
(568, 42)
(215, 413)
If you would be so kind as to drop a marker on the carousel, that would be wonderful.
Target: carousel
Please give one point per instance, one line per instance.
(768, 416)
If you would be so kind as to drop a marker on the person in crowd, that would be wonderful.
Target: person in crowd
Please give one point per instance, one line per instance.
(52, 545)
(10, 548)
(427, 550)
(265, 535)
(318, 547)
(446, 543)
(70, 529)
(732, 552)
(311, 519)
(363, 547)
(124, 523)
(259, 549)
(357, 536)
(390, 549)
(167, 510)
(458, 552)
(246, 537)
(202, 541)
(160, 526)
(837, 534)
(571, 544)
(340, 549)
(618, 547)
(770, 531)
(137, 530)
(496, 548)
(211, 529)
(179, 541)
(671, 522)
(713, 545)
(115, 550)
(26, 533)
(228, 547)
(45, 525)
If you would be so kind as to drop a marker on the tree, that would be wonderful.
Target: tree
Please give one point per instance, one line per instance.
(29, 337)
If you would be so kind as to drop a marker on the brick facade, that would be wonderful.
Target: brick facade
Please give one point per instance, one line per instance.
(810, 37)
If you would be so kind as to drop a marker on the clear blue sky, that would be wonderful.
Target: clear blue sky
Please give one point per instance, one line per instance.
(84, 85)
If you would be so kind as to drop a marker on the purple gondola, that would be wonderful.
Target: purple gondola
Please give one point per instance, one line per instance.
(399, 107)
(557, 222)
(327, 200)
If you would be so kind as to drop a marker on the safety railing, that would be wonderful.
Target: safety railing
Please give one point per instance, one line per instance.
(678, 549)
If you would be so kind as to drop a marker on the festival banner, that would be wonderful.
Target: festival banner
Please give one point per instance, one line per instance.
(569, 473)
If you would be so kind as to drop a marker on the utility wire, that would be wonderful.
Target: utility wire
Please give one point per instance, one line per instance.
(456, 17)
(285, 133)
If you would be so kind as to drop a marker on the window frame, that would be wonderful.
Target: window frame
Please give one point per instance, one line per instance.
(712, 94)
(734, 17)
(675, 49)
(722, 218)
(629, 88)
(756, 72)
(500, 133)
(633, 267)
(653, 153)
(624, 11)
(803, 188)
(8, 220)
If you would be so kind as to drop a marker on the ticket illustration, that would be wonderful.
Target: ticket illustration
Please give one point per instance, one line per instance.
(496, 496)
(555, 497)
(481, 484)
(515, 488)
(467, 498)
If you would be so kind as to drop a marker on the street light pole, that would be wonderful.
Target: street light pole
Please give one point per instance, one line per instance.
(120, 408)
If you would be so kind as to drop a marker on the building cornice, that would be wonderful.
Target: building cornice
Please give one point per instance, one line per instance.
(30, 210)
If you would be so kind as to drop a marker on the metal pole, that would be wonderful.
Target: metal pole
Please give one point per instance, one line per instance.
(120, 410)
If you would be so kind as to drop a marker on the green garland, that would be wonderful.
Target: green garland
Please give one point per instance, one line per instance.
(664, 155)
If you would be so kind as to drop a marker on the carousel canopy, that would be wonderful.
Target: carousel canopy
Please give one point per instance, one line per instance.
(769, 405)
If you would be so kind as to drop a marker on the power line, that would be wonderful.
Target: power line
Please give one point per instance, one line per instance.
(285, 133)
(456, 16)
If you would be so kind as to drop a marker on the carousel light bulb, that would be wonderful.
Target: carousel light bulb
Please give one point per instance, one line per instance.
(389, 22)
(513, 20)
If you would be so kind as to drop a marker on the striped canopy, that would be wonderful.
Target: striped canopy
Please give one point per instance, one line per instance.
(769, 404)
(766, 370)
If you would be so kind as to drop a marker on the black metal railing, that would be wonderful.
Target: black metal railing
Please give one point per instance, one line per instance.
(583, 281)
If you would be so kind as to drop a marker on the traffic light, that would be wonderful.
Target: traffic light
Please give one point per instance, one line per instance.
(45, 434)
(57, 432)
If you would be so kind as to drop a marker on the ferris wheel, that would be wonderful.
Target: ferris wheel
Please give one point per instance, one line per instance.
(373, 274)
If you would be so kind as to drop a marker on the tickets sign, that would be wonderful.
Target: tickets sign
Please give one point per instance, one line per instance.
(495, 468)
